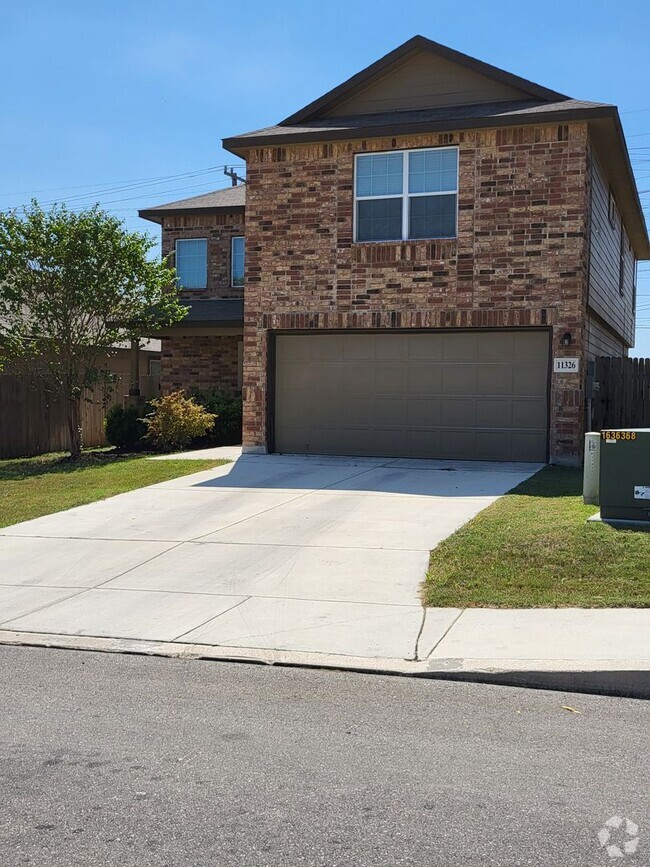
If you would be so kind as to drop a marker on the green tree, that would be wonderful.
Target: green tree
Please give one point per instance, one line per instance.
(72, 285)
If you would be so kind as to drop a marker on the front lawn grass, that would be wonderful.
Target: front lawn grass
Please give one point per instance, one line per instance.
(534, 549)
(31, 487)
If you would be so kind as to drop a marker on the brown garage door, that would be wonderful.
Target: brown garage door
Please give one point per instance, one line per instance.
(471, 394)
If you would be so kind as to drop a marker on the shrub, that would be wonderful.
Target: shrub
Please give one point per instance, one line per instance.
(228, 408)
(176, 420)
(124, 426)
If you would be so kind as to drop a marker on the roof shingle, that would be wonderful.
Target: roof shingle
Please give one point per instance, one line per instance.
(355, 125)
(228, 199)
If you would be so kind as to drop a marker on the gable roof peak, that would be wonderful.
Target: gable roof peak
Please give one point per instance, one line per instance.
(511, 86)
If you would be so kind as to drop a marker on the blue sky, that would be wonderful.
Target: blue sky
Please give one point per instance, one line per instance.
(126, 102)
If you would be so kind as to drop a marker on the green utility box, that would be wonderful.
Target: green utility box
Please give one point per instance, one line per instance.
(625, 475)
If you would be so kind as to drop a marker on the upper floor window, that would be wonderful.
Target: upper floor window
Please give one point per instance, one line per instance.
(192, 263)
(611, 208)
(402, 195)
(237, 261)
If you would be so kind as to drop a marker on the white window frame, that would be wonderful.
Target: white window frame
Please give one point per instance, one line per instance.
(176, 243)
(234, 285)
(404, 195)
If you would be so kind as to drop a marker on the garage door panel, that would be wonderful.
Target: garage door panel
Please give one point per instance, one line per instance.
(494, 379)
(356, 379)
(348, 440)
(423, 444)
(353, 348)
(395, 348)
(326, 406)
(530, 346)
(494, 412)
(460, 379)
(388, 440)
(300, 347)
(458, 411)
(525, 443)
(293, 375)
(424, 379)
(459, 346)
(529, 380)
(459, 395)
(290, 408)
(295, 439)
(493, 445)
(356, 411)
(390, 378)
(453, 443)
(421, 346)
(423, 411)
(529, 414)
(389, 410)
(490, 350)
(322, 376)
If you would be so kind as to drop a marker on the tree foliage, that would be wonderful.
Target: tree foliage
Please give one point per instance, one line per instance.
(72, 286)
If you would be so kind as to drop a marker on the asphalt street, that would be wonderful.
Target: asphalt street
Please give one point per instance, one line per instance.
(110, 759)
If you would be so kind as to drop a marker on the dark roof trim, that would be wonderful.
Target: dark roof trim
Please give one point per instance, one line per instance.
(318, 106)
(156, 216)
(396, 129)
(214, 311)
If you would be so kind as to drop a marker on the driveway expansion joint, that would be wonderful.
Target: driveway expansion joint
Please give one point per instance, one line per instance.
(446, 632)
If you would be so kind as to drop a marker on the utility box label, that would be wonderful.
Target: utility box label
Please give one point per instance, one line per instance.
(642, 492)
(566, 365)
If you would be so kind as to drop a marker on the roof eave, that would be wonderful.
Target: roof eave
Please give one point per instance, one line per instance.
(239, 144)
(156, 215)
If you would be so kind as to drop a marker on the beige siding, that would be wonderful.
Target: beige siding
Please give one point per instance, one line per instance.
(611, 297)
(425, 81)
(601, 341)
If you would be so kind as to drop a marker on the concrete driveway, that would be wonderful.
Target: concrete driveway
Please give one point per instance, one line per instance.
(321, 555)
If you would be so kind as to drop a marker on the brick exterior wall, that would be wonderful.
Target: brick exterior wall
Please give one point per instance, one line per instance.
(219, 229)
(520, 258)
(203, 362)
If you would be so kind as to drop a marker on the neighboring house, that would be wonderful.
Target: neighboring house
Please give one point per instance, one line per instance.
(120, 363)
(422, 243)
(204, 236)
(148, 366)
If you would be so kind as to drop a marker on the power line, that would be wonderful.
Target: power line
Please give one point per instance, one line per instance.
(156, 194)
(101, 184)
(99, 193)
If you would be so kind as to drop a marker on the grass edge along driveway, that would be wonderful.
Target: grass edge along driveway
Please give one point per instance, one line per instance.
(31, 487)
(533, 548)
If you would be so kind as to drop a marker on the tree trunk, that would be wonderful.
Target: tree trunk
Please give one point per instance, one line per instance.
(74, 426)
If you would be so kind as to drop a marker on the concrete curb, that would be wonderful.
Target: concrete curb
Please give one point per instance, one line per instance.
(630, 679)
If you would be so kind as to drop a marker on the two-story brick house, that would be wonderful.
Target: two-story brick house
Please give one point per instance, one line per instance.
(423, 243)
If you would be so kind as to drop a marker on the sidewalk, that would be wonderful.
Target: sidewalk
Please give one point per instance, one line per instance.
(581, 650)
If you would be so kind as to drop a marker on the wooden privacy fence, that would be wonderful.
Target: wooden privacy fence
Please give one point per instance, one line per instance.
(33, 420)
(620, 393)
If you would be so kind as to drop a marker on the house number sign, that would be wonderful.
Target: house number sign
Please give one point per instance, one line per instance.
(566, 365)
